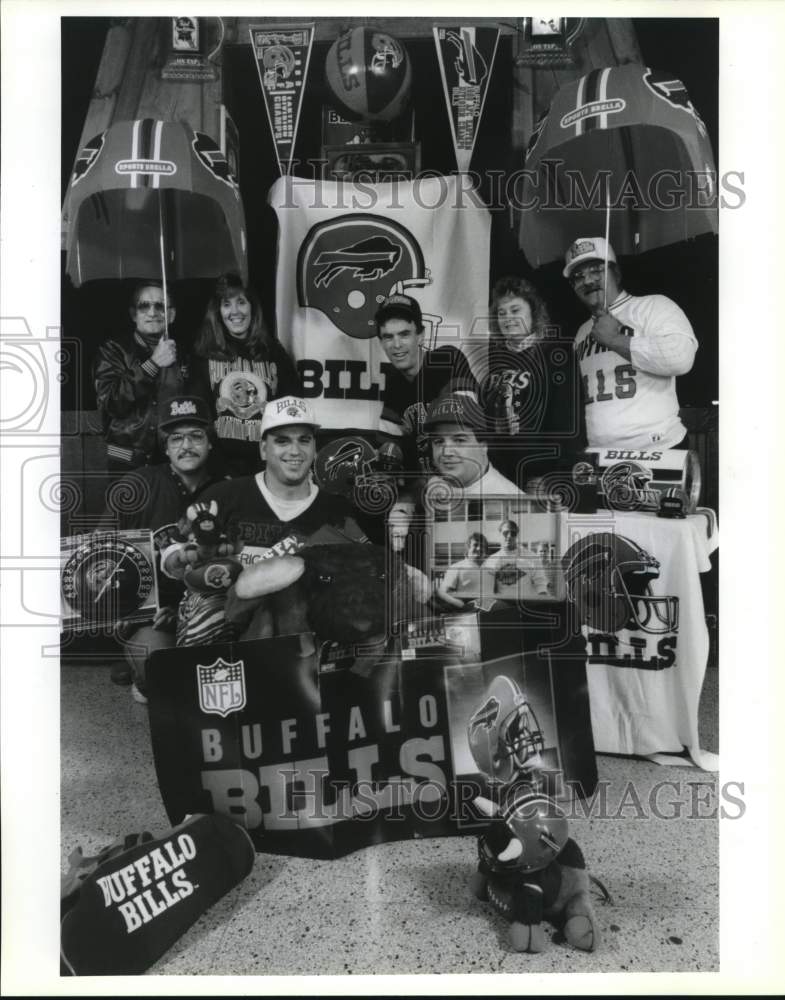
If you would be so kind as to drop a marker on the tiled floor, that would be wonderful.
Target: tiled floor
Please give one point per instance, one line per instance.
(405, 907)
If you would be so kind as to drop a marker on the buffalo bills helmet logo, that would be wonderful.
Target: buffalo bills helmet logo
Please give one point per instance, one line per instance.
(211, 157)
(347, 266)
(674, 92)
(470, 66)
(87, 156)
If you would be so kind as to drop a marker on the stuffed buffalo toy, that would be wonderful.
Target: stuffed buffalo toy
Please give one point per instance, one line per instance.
(529, 869)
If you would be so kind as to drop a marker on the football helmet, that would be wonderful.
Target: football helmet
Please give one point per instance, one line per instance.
(347, 266)
(343, 463)
(608, 580)
(627, 486)
(504, 735)
(538, 824)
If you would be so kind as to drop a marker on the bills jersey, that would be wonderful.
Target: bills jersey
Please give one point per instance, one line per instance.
(633, 403)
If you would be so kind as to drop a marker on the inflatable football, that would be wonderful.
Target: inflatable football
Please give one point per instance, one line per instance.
(369, 75)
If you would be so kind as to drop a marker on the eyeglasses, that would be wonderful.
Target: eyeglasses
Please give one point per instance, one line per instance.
(591, 271)
(145, 306)
(180, 437)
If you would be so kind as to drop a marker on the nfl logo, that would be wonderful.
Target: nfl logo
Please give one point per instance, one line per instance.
(221, 687)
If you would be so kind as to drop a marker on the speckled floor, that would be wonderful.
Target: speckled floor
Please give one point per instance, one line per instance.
(405, 907)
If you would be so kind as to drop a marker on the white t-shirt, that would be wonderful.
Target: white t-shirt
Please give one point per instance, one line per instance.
(633, 403)
(515, 576)
(463, 579)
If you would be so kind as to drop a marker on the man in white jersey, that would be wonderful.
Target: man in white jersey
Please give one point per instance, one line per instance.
(629, 352)
(513, 573)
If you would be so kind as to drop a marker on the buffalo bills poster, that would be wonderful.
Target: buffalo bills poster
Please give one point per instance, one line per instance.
(318, 753)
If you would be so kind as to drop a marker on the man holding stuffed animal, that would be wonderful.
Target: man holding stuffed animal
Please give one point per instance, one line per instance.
(274, 511)
(158, 494)
(630, 352)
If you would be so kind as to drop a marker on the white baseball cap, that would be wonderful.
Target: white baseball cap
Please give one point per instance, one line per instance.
(587, 248)
(285, 411)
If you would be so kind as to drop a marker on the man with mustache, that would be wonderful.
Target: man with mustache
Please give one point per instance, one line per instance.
(154, 497)
(629, 352)
(132, 373)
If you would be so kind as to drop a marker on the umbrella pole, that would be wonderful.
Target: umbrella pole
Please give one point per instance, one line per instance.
(607, 237)
(163, 264)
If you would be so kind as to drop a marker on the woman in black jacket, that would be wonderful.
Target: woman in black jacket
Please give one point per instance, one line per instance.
(245, 367)
(531, 393)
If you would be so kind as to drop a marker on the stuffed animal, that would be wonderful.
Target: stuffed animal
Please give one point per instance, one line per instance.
(529, 868)
(212, 569)
(348, 593)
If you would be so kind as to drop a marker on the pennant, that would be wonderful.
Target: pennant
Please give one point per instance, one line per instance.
(466, 58)
(282, 56)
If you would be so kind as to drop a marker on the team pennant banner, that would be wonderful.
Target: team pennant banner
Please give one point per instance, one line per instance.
(282, 56)
(466, 58)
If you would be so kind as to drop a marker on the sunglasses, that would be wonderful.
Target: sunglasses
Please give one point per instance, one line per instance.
(145, 306)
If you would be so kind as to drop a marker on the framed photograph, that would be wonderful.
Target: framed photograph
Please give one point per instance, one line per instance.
(495, 551)
(372, 162)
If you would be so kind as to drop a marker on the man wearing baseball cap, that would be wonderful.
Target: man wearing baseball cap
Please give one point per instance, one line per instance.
(629, 352)
(281, 501)
(164, 490)
(416, 377)
(457, 430)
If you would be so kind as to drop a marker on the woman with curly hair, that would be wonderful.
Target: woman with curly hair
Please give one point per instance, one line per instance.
(531, 391)
(245, 367)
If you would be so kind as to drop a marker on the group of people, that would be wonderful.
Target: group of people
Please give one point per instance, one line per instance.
(511, 573)
(228, 423)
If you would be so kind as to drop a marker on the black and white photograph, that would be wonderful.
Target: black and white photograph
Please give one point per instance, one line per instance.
(363, 488)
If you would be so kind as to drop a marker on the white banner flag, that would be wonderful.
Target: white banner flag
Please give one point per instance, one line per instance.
(343, 248)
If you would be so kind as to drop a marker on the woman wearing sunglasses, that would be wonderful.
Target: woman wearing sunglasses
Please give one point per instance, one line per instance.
(244, 367)
(133, 373)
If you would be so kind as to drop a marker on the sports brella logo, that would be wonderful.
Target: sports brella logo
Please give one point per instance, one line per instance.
(221, 687)
(347, 266)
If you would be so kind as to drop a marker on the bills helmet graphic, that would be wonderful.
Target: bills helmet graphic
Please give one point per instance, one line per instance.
(469, 64)
(344, 463)
(279, 64)
(608, 581)
(347, 266)
(674, 92)
(504, 735)
(627, 486)
(214, 160)
(536, 823)
(87, 157)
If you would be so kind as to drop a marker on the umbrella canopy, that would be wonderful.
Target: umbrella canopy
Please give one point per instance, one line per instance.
(628, 135)
(147, 183)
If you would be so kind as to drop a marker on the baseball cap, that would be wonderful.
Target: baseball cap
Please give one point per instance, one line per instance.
(403, 306)
(455, 408)
(587, 248)
(285, 411)
(183, 410)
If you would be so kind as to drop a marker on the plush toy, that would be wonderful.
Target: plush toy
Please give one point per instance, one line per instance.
(348, 593)
(529, 868)
(212, 569)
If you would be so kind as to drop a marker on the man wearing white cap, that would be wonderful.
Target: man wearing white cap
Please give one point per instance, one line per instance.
(282, 501)
(629, 353)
